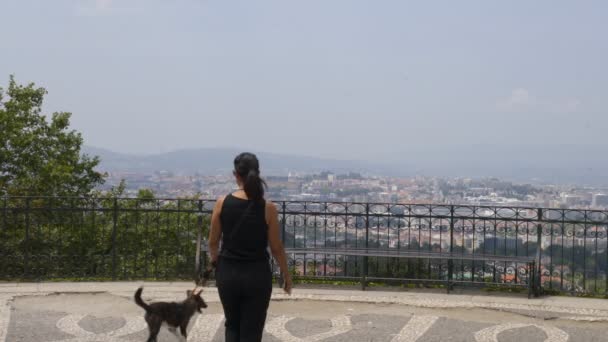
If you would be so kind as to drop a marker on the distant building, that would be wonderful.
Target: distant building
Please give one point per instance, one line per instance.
(600, 200)
(572, 200)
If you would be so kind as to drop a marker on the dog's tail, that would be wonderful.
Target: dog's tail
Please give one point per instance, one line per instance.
(140, 301)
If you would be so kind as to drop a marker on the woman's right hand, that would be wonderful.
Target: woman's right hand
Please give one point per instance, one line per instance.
(287, 283)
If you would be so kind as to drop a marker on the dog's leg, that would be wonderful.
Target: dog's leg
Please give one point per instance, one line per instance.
(154, 327)
(182, 329)
(175, 333)
(153, 334)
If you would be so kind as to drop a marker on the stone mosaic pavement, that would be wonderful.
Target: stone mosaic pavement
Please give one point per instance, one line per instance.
(93, 312)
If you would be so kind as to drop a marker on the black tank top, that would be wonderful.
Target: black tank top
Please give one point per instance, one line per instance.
(250, 241)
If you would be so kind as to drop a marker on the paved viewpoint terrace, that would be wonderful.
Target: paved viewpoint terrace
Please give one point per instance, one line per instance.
(89, 312)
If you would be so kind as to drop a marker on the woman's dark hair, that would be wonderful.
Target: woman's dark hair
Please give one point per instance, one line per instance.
(247, 166)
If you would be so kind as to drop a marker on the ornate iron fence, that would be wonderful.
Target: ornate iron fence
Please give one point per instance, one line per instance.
(125, 238)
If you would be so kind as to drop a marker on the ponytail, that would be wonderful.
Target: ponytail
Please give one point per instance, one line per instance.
(254, 186)
(247, 166)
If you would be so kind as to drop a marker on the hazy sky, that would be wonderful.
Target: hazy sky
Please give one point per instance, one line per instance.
(333, 78)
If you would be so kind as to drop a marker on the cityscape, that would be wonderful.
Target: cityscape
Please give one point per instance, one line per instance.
(358, 187)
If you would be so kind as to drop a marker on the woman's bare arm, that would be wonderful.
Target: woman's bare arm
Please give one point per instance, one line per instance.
(216, 230)
(276, 246)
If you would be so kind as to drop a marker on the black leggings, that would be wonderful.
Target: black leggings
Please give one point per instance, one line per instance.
(244, 288)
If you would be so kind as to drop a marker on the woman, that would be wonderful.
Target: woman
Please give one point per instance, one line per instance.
(247, 224)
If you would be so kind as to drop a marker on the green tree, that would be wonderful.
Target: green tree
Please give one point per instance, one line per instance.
(40, 156)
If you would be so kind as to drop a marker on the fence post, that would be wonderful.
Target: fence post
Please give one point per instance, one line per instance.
(281, 276)
(26, 254)
(199, 240)
(365, 258)
(283, 209)
(539, 247)
(115, 223)
(450, 260)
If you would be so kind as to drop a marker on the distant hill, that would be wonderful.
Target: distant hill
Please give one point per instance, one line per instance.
(581, 165)
(551, 163)
(215, 160)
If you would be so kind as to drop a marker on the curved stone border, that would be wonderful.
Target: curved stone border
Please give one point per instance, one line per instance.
(276, 327)
(69, 324)
(585, 314)
(490, 334)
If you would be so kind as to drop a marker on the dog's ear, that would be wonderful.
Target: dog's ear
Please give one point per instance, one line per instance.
(189, 293)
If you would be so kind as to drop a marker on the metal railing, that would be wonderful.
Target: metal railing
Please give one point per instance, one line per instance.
(124, 238)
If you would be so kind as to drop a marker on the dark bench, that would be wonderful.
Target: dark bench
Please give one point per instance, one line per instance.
(533, 284)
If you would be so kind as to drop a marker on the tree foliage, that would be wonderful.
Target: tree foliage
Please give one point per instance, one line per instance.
(40, 156)
(100, 237)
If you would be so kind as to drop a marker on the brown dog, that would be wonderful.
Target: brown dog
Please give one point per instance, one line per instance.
(172, 313)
